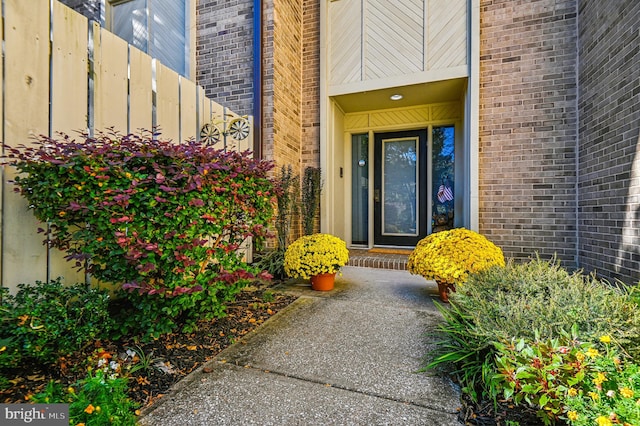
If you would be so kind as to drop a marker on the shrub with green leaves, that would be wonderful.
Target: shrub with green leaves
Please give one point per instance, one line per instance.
(534, 300)
(541, 297)
(582, 383)
(47, 320)
(161, 219)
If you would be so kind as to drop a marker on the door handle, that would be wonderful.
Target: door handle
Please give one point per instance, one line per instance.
(376, 195)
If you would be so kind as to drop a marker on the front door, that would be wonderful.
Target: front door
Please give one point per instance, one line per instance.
(400, 188)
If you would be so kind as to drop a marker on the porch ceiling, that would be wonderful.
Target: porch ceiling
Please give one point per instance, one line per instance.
(415, 94)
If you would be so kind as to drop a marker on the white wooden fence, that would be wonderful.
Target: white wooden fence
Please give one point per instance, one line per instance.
(62, 73)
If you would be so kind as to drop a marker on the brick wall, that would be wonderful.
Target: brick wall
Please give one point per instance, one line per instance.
(224, 52)
(311, 83)
(609, 155)
(287, 74)
(267, 79)
(528, 126)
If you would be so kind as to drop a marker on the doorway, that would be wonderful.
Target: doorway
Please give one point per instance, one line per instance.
(413, 193)
(400, 193)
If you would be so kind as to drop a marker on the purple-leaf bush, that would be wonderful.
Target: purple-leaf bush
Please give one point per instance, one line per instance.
(162, 220)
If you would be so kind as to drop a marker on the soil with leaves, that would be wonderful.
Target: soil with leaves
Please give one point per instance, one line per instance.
(154, 366)
(486, 413)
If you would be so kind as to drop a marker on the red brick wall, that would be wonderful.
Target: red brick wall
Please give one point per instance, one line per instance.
(528, 126)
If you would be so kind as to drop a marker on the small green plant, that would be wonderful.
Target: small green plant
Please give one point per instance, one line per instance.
(99, 399)
(141, 360)
(310, 198)
(272, 261)
(286, 187)
(268, 296)
(287, 191)
(538, 373)
(47, 320)
(462, 354)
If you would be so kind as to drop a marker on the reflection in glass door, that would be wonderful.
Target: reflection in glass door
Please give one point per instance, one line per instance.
(442, 178)
(399, 184)
(360, 189)
(400, 191)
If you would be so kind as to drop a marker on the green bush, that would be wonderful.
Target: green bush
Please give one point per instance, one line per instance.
(47, 320)
(541, 297)
(534, 300)
(163, 220)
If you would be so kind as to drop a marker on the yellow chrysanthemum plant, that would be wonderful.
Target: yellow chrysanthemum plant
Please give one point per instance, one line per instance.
(448, 257)
(314, 255)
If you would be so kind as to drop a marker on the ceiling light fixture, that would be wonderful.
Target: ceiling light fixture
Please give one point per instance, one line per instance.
(396, 97)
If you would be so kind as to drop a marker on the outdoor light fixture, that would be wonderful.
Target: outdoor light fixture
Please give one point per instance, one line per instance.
(396, 97)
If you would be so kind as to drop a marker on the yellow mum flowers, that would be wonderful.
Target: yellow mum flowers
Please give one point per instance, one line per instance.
(315, 254)
(450, 256)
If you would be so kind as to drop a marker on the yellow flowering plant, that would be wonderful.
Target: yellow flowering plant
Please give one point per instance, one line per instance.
(448, 257)
(315, 254)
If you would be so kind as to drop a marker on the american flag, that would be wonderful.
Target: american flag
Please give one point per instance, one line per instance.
(445, 194)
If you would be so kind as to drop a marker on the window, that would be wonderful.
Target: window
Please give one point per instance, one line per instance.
(157, 27)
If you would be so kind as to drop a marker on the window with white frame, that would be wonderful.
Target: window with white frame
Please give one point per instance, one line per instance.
(157, 27)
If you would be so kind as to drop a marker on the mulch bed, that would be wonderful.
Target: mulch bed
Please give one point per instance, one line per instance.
(168, 359)
(486, 414)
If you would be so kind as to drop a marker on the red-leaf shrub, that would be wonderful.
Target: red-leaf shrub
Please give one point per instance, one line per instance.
(164, 220)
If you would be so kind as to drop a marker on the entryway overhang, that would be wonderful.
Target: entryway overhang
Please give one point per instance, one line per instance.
(412, 95)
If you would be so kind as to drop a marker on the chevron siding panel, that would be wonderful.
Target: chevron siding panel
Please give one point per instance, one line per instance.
(447, 34)
(356, 121)
(393, 38)
(377, 39)
(345, 43)
(445, 112)
(396, 117)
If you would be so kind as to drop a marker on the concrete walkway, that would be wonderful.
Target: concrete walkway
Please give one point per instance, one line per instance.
(345, 357)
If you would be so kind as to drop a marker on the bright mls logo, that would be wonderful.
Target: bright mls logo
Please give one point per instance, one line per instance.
(34, 414)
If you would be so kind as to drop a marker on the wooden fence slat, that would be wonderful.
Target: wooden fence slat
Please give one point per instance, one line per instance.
(110, 65)
(167, 103)
(26, 115)
(204, 110)
(188, 113)
(69, 90)
(141, 100)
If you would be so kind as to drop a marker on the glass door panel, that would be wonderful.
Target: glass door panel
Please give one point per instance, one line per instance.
(360, 189)
(399, 184)
(442, 178)
(400, 200)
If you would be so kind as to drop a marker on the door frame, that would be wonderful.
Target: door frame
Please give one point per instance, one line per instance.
(380, 238)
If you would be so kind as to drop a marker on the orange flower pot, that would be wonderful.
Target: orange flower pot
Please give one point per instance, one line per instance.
(444, 290)
(323, 282)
